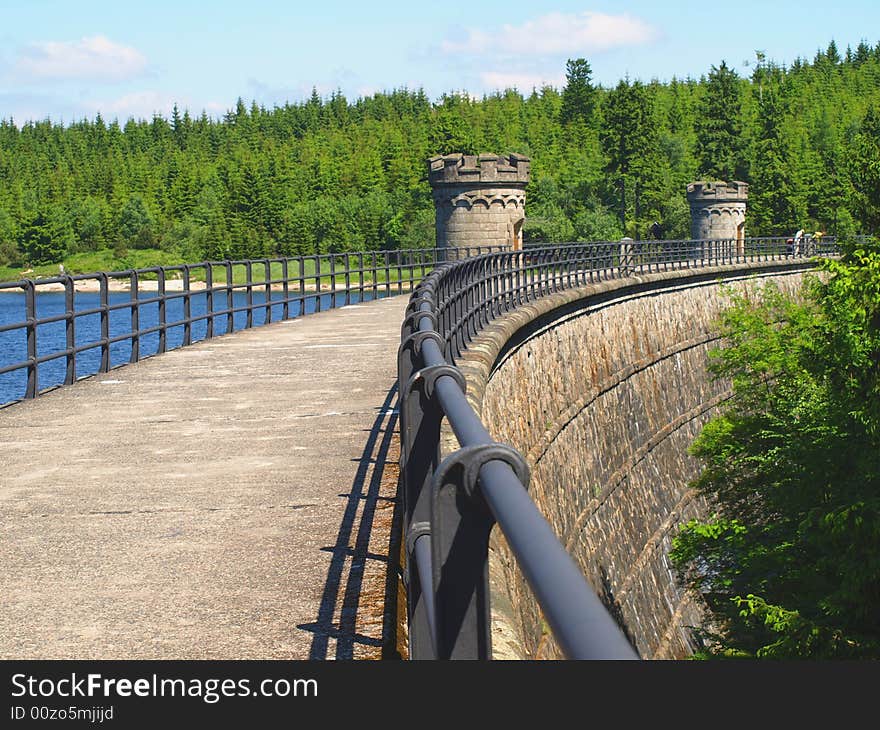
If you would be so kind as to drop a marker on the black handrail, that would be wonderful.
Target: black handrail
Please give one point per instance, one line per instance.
(451, 505)
(292, 283)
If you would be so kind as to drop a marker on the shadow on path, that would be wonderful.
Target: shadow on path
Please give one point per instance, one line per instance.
(345, 592)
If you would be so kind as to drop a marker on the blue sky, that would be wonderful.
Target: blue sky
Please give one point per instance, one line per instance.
(66, 60)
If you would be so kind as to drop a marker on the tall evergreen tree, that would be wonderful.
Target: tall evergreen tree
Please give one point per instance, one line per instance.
(579, 95)
(629, 138)
(865, 169)
(771, 201)
(719, 127)
(42, 239)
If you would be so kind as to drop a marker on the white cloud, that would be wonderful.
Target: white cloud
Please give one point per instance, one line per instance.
(94, 57)
(555, 34)
(524, 82)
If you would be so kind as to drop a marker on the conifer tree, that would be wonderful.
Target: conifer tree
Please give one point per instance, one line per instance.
(719, 127)
(629, 138)
(578, 96)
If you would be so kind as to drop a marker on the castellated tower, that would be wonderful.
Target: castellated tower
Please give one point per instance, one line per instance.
(480, 199)
(718, 211)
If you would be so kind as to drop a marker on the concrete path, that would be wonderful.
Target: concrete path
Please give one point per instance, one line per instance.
(229, 500)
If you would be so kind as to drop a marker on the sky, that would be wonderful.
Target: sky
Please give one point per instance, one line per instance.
(70, 59)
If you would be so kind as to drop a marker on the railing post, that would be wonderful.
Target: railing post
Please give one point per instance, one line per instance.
(30, 313)
(267, 317)
(420, 419)
(285, 306)
(70, 329)
(105, 322)
(332, 281)
(249, 274)
(160, 294)
(461, 523)
(134, 285)
(317, 258)
(209, 300)
(626, 257)
(230, 299)
(187, 308)
(302, 285)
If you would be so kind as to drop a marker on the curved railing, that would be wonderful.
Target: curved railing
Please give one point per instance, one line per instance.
(92, 323)
(451, 505)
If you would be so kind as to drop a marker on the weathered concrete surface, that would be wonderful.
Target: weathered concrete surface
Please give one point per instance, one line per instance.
(190, 506)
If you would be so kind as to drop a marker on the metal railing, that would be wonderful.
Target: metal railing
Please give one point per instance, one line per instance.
(451, 505)
(203, 296)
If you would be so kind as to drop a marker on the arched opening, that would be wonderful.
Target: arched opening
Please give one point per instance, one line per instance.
(516, 243)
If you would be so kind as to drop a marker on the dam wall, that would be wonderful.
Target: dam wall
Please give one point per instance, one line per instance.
(603, 388)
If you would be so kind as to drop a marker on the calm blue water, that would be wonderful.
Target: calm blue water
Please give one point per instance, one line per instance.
(52, 337)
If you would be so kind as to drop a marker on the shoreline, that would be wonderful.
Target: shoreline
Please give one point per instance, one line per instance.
(91, 286)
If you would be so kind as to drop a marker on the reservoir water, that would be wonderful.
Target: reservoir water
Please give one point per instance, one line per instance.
(52, 337)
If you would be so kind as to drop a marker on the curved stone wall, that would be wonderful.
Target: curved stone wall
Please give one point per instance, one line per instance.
(603, 388)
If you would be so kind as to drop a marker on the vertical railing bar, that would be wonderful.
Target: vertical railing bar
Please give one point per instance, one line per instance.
(209, 300)
(249, 283)
(30, 313)
(285, 285)
(332, 281)
(162, 345)
(134, 286)
(187, 308)
(347, 262)
(267, 319)
(70, 329)
(317, 258)
(230, 299)
(104, 294)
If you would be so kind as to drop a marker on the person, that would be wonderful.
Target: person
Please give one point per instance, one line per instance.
(798, 237)
(656, 230)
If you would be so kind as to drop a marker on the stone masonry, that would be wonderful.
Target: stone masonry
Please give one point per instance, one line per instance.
(479, 199)
(604, 408)
(718, 212)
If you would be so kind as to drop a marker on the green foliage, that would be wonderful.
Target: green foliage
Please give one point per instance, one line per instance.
(135, 224)
(339, 174)
(790, 564)
(865, 168)
(719, 127)
(579, 95)
(548, 224)
(43, 237)
(631, 143)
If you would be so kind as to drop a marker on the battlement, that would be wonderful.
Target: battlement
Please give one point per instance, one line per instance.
(718, 191)
(457, 169)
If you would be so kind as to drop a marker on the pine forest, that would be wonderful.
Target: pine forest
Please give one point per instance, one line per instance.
(330, 174)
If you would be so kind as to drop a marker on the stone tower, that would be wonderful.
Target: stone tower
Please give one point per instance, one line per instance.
(718, 212)
(480, 199)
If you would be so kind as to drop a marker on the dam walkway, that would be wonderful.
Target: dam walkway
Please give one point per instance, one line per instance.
(228, 500)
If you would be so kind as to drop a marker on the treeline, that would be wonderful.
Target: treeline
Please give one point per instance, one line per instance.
(332, 175)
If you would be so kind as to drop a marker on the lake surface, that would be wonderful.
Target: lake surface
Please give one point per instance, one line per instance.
(52, 337)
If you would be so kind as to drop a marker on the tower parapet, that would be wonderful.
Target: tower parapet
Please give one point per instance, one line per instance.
(479, 199)
(718, 209)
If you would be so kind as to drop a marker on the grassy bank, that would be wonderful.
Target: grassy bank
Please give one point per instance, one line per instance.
(108, 260)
